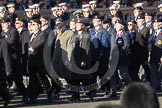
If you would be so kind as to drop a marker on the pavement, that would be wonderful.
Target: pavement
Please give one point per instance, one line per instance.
(63, 102)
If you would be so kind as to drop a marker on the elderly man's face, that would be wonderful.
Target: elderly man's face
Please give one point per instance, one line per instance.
(118, 27)
(96, 22)
(106, 26)
(43, 21)
(130, 26)
(35, 27)
(30, 27)
(2, 14)
(79, 26)
(140, 22)
(114, 19)
(29, 14)
(137, 12)
(18, 24)
(155, 25)
(72, 25)
(5, 25)
(11, 9)
(55, 12)
(148, 18)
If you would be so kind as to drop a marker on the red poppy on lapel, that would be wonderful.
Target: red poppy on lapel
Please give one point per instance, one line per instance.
(99, 30)
(161, 33)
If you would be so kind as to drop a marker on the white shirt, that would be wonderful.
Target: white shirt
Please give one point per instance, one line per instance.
(148, 24)
(97, 28)
(79, 32)
(19, 30)
(140, 28)
(157, 32)
(6, 30)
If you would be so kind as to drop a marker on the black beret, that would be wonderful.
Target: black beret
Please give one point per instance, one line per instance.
(107, 20)
(138, 8)
(20, 19)
(59, 26)
(118, 16)
(158, 20)
(159, 16)
(97, 17)
(5, 19)
(45, 17)
(120, 22)
(149, 14)
(36, 21)
(80, 21)
(132, 21)
(141, 17)
(36, 16)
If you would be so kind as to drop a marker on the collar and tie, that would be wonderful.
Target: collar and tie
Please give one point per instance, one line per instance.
(33, 36)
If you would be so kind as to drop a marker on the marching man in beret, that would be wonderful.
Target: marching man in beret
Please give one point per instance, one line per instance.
(156, 55)
(36, 68)
(142, 38)
(100, 47)
(119, 45)
(131, 26)
(82, 59)
(11, 35)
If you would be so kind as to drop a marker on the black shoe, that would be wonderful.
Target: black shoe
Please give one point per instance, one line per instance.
(113, 94)
(75, 99)
(51, 98)
(107, 93)
(69, 92)
(158, 89)
(7, 101)
(91, 95)
(33, 101)
(25, 99)
(56, 96)
(119, 86)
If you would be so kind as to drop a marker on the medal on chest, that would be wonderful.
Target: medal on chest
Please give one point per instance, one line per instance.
(159, 42)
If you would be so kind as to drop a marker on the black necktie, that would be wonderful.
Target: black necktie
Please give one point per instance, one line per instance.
(154, 38)
(32, 37)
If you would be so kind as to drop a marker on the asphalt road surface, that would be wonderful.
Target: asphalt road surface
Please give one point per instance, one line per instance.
(63, 102)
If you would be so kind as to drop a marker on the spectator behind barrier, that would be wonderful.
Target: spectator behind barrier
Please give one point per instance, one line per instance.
(139, 95)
